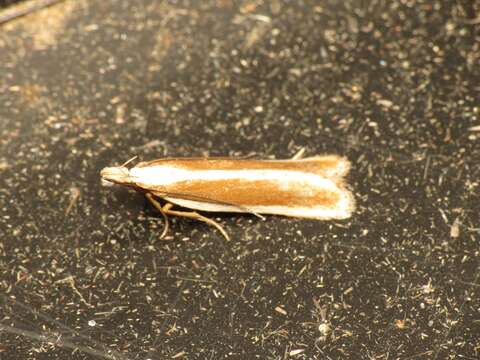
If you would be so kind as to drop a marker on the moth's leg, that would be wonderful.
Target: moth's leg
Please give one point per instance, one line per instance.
(194, 215)
(159, 207)
(299, 154)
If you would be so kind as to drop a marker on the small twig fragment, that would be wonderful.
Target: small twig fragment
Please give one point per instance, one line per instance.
(74, 196)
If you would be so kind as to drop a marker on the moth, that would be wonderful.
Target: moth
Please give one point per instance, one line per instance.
(312, 187)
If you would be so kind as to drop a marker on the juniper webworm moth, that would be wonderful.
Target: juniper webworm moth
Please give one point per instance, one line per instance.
(311, 187)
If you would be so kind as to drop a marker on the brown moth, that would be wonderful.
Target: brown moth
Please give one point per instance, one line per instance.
(311, 187)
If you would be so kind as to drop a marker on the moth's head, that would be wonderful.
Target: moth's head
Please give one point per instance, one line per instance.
(117, 174)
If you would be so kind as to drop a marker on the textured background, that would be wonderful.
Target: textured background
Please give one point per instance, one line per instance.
(393, 85)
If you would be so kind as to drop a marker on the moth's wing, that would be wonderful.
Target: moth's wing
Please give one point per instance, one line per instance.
(325, 165)
(203, 199)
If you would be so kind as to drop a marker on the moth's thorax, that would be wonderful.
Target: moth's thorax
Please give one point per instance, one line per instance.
(117, 174)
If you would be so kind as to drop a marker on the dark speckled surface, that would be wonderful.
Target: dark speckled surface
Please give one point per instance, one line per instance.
(392, 85)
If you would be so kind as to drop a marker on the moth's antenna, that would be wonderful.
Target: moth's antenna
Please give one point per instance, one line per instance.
(129, 161)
